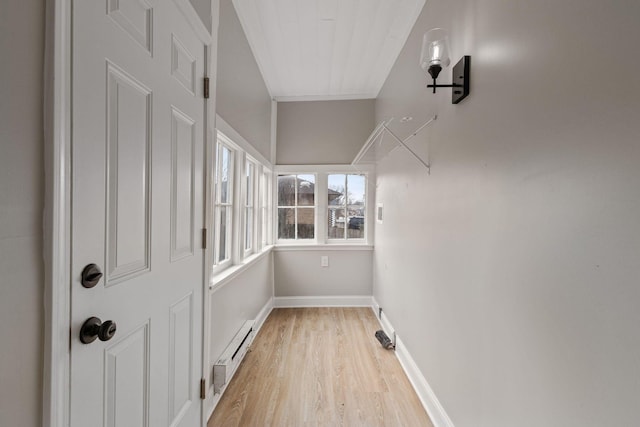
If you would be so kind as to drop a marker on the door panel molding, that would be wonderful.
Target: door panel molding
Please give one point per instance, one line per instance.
(183, 65)
(180, 358)
(128, 231)
(182, 184)
(127, 366)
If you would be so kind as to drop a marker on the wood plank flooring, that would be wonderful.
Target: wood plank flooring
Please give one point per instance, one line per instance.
(319, 367)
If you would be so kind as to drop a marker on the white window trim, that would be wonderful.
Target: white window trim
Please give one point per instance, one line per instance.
(265, 237)
(345, 240)
(321, 172)
(231, 241)
(315, 206)
(240, 259)
(224, 277)
(257, 170)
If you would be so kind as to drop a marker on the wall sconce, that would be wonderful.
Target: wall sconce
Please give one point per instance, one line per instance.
(435, 56)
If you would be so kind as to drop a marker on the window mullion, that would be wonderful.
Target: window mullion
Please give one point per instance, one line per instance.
(321, 206)
(257, 208)
(295, 208)
(254, 213)
(346, 207)
(216, 234)
(248, 223)
(236, 213)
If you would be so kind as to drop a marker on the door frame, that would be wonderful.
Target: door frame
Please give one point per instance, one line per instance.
(58, 191)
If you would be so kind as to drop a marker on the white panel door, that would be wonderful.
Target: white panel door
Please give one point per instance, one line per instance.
(138, 120)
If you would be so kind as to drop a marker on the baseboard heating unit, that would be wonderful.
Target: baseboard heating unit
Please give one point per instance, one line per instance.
(227, 364)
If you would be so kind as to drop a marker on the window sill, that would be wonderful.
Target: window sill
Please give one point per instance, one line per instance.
(228, 274)
(283, 247)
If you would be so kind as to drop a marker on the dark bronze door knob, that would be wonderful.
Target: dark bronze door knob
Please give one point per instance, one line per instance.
(94, 328)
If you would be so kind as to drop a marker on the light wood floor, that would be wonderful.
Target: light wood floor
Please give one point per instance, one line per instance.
(319, 367)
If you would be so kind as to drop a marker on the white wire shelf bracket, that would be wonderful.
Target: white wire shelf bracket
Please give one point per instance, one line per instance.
(376, 147)
(362, 156)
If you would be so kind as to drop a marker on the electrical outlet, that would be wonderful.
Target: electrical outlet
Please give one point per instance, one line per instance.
(324, 261)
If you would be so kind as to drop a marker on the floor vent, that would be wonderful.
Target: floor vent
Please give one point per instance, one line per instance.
(226, 366)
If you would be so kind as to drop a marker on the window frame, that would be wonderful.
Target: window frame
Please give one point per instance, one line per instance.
(321, 203)
(265, 202)
(367, 218)
(224, 143)
(250, 200)
(243, 152)
(296, 207)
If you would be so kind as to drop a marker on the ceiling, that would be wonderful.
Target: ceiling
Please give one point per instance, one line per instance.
(326, 49)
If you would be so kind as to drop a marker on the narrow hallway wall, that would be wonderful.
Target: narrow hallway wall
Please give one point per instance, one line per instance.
(323, 132)
(511, 272)
(21, 208)
(243, 100)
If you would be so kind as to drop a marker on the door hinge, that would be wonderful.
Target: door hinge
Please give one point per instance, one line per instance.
(206, 88)
(204, 238)
(203, 389)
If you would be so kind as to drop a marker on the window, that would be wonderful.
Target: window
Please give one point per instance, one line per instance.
(249, 202)
(223, 209)
(323, 204)
(346, 208)
(296, 207)
(242, 204)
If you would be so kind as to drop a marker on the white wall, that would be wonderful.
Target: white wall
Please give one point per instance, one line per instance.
(239, 300)
(322, 132)
(242, 97)
(511, 273)
(298, 272)
(21, 204)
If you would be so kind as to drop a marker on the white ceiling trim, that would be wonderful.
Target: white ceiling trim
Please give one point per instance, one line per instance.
(326, 49)
(325, 97)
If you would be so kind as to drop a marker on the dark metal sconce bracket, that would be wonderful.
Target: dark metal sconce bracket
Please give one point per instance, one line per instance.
(461, 80)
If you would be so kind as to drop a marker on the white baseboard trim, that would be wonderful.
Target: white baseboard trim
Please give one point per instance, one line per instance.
(262, 316)
(324, 301)
(436, 412)
(259, 321)
(425, 393)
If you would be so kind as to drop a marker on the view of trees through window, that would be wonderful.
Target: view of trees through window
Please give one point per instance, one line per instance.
(296, 206)
(346, 206)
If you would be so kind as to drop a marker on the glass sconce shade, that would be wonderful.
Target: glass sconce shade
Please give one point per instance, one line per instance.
(435, 56)
(435, 51)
